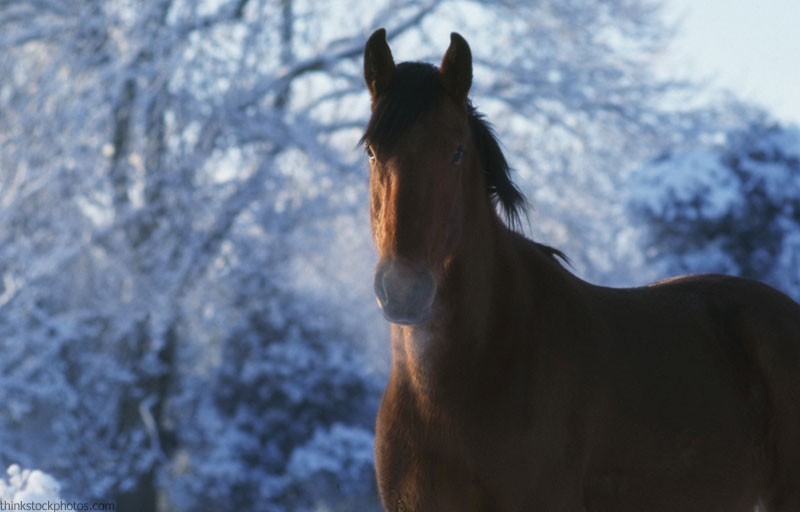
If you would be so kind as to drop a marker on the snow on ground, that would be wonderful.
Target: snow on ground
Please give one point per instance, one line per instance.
(28, 486)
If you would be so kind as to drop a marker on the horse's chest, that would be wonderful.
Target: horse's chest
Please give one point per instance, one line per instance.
(464, 465)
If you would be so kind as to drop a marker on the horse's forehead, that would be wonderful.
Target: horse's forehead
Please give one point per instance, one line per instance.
(443, 122)
(429, 138)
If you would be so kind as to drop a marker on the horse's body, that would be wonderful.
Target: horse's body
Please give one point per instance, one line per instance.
(515, 386)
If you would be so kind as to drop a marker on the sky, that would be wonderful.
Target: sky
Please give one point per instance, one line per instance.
(750, 47)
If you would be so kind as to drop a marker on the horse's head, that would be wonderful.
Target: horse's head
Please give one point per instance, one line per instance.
(432, 161)
(417, 142)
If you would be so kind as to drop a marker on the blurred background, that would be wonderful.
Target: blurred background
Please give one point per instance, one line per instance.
(186, 314)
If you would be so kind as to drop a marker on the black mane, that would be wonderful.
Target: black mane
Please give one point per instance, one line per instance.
(498, 173)
(415, 90)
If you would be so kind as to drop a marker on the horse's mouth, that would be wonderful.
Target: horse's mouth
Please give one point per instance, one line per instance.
(406, 318)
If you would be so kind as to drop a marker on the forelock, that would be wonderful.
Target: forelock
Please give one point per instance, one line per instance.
(414, 91)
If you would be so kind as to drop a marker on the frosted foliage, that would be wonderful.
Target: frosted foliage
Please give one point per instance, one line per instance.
(338, 457)
(271, 400)
(692, 185)
(733, 208)
(340, 450)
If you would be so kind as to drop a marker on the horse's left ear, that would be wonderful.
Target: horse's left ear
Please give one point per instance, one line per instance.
(379, 65)
(456, 68)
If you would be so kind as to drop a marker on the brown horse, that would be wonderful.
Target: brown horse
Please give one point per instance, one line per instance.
(515, 386)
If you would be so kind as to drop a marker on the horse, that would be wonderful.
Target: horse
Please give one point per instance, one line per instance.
(515, 385)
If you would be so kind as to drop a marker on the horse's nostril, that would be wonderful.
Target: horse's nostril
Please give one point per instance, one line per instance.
(405, 292)
(378, 284)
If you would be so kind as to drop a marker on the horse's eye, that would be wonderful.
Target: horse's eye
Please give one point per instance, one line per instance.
(370, 154)
(458, 154)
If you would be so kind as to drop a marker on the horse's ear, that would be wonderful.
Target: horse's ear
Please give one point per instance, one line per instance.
(456, 68)
(379, 65)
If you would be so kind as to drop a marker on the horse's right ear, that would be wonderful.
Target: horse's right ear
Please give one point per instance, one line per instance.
(379, 65)
(456, 68)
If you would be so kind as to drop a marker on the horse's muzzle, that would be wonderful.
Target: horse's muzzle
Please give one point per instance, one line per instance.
(405, 292)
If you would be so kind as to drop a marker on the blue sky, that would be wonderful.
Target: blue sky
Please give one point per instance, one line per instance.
(751, 47)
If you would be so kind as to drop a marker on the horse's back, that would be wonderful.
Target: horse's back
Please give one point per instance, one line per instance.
(705, 367)
(765, 324)
(770, 322)
(763, 320)
(758, 319)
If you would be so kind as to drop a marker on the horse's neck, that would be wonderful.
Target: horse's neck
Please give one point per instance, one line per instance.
(438, 355)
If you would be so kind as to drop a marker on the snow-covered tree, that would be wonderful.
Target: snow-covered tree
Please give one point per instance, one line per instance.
(184, 310)
(731, 208)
